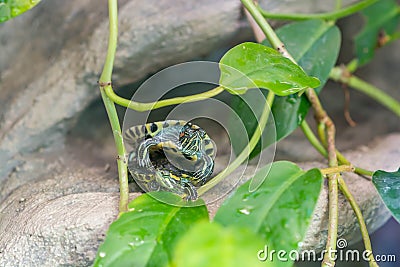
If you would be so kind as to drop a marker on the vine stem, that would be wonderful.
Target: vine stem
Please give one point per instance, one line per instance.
(105, 84)
(325, 126)
(363, 227)
(344, 189)
(343, 75)
(338, 169)
(321, 149)
(162, 103)
(247, 150)
(321, 117)
(334, 15)
(357, 170)
(333, 203)
(333, 190)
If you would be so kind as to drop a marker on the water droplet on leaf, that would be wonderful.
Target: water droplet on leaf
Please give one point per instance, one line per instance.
(245, 211)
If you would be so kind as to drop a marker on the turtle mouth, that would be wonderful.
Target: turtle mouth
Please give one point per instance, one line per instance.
(165, 160)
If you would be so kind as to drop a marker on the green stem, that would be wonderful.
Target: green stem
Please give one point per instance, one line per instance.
(333, 219)
(266, 28)
(333, 189)
(321, 149)
(342, 159)
(363, 227)
(246, 151)
(105, 84)
(363, 172)
(312, 138)
(162, 103)
(321, 133)
(315, 142)
(112, 42)
(352, 66)
(338, 4)
(335, 15)
(342, 75)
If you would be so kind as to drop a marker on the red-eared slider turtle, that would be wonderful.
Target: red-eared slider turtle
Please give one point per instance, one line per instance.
(171, 155)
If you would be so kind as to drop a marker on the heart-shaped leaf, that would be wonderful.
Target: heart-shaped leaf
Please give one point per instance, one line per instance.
(388, 186)
(279, 210)
(315, 45)
(147, 233)
(250, 65)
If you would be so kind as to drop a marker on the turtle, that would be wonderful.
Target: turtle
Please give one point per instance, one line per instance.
(172, 155)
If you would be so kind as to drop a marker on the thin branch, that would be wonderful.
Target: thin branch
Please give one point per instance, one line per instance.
(258, 32)
(343, 75)
(346, 111)
(335, 15)
(321, 149)
(266, 28)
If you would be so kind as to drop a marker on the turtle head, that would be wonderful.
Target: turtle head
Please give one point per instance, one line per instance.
(191, 138)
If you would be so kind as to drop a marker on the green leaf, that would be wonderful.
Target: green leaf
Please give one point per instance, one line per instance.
(383, 16)
(315, 45)
(209, 244)
(146, 234)
(279, 210)
(388, 186)
(13, 8)
(250, 65)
